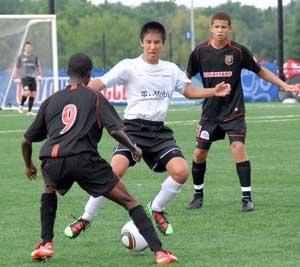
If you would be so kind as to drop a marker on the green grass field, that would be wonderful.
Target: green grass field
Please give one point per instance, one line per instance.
(218, 235)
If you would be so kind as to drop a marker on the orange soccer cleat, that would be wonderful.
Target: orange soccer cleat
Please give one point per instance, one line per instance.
(164, 257)
(43, 252)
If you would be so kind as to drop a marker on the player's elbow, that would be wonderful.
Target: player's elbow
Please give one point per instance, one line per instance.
(26, 144)
(25, 141)
(188, 92)
(116, 134)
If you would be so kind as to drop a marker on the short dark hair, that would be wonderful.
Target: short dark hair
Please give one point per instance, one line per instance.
(221, 16)
(27, 43)
(79, 65)
(153, 26)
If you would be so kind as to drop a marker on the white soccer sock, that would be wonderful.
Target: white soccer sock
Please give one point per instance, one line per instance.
(92, 206)
(169, 189)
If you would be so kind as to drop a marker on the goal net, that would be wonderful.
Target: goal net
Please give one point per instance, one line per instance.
(40, 31)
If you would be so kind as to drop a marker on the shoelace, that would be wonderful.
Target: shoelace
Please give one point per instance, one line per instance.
(78, 224)
(160, 217)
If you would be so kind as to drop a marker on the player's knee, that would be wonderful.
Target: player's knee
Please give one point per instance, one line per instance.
(200, 155)
(237, 147)
(180, 172)
(48, 189)
(120, 164)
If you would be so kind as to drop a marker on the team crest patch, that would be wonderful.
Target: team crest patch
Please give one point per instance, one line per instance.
(228, 60)
(204, 135)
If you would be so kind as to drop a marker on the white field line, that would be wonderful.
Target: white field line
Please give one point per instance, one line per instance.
(12, 131)
(10, 115)
(249, 106)
(264, 119)
(280, 118)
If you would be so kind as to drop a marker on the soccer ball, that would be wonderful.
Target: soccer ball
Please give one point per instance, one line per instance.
(131, 237)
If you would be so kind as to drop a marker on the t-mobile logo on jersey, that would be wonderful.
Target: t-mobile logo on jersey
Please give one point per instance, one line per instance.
(155, 94)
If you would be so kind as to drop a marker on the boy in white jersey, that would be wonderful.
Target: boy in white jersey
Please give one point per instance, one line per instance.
(150, 83)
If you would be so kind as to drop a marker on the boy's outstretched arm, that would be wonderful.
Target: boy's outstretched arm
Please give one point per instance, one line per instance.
(272, 78)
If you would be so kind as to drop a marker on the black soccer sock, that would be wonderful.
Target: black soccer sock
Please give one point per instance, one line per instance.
(244, 172)
(145, 226)
(198, 172)
(23, 100)
(30, 103)
(48, 214)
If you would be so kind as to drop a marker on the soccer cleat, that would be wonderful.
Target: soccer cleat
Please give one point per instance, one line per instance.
(247, 205)
(161, 221)
(20, 109)
(164, 257)
(30, 113)
(74, 229)
(43, 252)
(196, 202)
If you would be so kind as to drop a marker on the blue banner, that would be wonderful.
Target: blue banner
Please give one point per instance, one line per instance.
(255, 89)
(258, 90)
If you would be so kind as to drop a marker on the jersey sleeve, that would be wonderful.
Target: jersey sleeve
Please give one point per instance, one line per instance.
(37, 131)
(249, 62)
(193, 64)
(109, 118)
(118, 75)
(181, 80)
(18, 62)
(37, 62)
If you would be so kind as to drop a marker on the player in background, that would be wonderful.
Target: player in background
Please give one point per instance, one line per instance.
(150, 83)
(31, 70)
(221, 59)
(72, 122)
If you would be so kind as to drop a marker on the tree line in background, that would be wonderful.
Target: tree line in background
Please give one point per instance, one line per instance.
(110, 32)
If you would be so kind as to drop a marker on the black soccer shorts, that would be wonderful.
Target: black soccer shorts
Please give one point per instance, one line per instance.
(90, 171)
(156, 141)
(29, 83)
(210, 131)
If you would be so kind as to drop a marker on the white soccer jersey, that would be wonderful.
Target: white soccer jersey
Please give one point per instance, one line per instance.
(149, 86)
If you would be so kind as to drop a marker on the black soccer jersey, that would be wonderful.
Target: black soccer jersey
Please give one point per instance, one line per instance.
(217, 65)
(72, 121)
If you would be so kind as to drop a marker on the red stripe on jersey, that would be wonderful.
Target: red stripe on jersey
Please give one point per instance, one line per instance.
(236, 135)
(54, 151)
(203, 140)
(233, 117)
(97, 112)
(97, 104)
(229, 42)
(201, 46)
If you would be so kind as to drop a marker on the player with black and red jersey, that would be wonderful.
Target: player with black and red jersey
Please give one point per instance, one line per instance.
(221, 59)
(72, 121)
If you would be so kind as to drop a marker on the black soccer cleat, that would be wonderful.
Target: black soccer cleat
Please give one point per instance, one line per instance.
(196, 202)
(247, 205)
